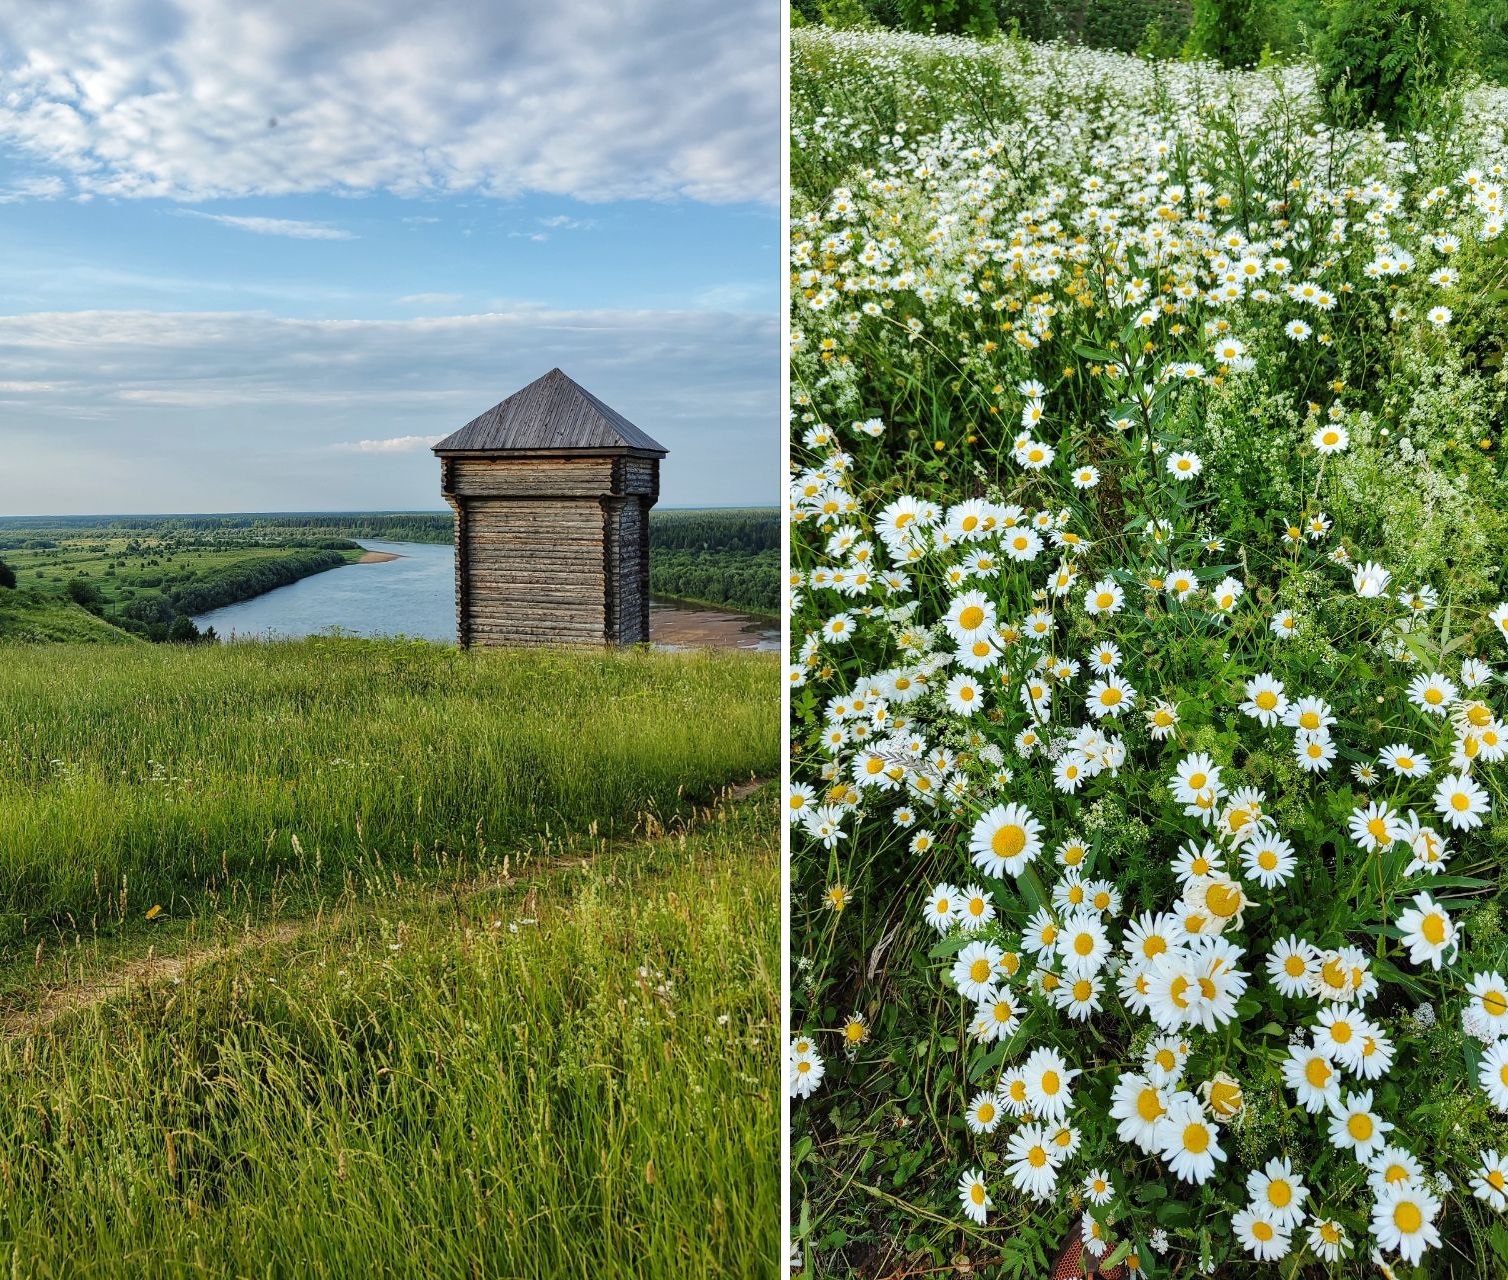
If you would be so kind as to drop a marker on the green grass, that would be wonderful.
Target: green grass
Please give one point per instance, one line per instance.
(425, 1081)
(233, 776)
(28, 616)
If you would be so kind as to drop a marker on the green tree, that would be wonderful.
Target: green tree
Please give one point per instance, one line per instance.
(83, 592)
(953, 17)
(7, 576)
(183, 630)
(1391, 60)
(1229, 31)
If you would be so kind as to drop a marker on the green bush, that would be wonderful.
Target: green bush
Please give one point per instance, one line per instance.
(1227, 31)
(952, 17)
(1390, 60)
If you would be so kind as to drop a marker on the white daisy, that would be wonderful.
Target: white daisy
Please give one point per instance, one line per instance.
(1310, 1072)
(984, 1112)
(1031, 1162)
(1138, 1105)
(1403, 1220)
(1461, 802)
(1489, 1181)
(1265, 699)
(973, 1196)
(1291, 965)
(1188, 1141)
(1492, 1074)
(1259, 1234)
(1429, 932)
(1489, 998)
(1048, 1080)
(1005, 839)
(975, 968)
(1355, 1127)
(1279, 1192)
(944, 907)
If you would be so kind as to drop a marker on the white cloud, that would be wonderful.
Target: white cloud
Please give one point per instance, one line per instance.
(291, 227)
(593, 99)
(430, 299)
(239, 411)
(397, 444)
(45, 188)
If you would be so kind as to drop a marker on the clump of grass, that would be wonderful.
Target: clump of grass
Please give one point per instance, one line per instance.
(570, 1074)
(187, 779)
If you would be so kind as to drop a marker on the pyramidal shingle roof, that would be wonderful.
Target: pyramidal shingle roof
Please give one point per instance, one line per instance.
(552, 412)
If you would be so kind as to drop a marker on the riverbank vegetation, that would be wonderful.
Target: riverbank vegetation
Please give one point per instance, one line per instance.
(150, 578)
(142, 573)
(397, 983)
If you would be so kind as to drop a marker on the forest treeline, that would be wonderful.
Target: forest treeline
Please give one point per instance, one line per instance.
(1365, 38)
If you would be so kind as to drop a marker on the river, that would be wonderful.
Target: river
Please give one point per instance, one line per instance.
(414, 595)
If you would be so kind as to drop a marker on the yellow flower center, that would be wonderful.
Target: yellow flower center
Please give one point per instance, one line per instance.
(1009, 840)
(971, 617)
(1196, 1138)
(1407, 1218)
(1224, 900)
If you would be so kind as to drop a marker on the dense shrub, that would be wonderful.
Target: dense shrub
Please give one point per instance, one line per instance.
(1391, 60)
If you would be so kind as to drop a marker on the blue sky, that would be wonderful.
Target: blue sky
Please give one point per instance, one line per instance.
(256, 256)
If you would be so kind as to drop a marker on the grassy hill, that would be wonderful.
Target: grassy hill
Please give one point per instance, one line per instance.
(29, 616)
(410, 962)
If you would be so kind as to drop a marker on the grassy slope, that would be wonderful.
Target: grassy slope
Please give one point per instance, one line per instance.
(428, 1083)
(29, 616)
(234, 776)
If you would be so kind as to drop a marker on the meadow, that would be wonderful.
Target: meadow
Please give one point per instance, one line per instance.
(1149, 624)
(190, 778)
(348, 957)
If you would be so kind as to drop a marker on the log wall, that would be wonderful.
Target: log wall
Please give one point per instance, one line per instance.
(551, 550)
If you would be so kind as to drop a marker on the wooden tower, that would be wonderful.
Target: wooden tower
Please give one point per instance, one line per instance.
(551, 491)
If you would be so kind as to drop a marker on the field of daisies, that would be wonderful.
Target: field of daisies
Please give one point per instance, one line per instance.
(1150, 664)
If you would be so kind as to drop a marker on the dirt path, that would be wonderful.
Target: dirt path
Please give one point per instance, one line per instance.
(153, 969)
